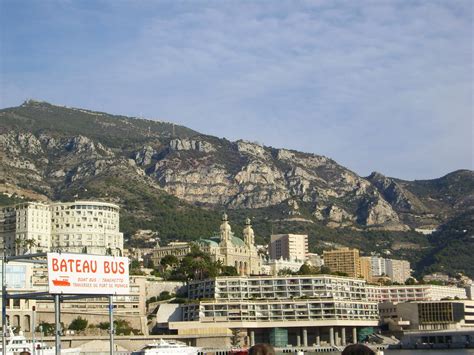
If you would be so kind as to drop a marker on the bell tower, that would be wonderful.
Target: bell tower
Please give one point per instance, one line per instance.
(249, 236)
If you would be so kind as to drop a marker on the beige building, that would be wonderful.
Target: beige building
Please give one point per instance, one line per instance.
(178, 249)
(366, 268)
(288, 246)
(77, 227)
(19, 280)
(343, 260)
(131, 307)
(232, 251)
(428, 315)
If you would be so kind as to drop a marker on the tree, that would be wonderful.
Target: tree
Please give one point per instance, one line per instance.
(410, 281)
(46, 328)
(79, 324)
(196, 265)
(135, 264)
(235, 339)
(285, 271)
(30, 243)
(122, 327)
(307, 269)
(169, 261)
(229, 271)
(324, 270)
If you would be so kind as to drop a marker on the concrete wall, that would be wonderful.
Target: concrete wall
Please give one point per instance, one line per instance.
(154, 288)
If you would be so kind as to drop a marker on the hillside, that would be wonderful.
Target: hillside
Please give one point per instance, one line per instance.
(175, 180)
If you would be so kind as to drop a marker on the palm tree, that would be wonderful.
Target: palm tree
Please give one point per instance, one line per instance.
(30, 243)
(18, 244)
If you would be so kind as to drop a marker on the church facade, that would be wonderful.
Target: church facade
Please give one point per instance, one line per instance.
(233, 251)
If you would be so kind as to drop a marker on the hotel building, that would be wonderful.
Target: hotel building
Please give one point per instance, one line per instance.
(297, 310)
(77, 227)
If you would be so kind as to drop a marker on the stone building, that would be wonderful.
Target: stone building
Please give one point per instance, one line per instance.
(233, 251)
(178, 249)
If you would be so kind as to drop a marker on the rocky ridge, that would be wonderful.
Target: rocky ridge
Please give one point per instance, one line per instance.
(52, 149)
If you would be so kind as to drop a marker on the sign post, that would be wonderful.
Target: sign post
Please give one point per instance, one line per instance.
(111, 321)
(4, 302)
(83, 274)
(57, 320)
(33, 330)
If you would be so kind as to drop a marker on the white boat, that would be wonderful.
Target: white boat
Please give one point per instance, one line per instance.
(170, 347)
(18, 343)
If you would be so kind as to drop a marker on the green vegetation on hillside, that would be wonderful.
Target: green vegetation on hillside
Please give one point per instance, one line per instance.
(113, 130)
(452, 247)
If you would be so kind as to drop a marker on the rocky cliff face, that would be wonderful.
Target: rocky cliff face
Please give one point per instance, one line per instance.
(84, 146)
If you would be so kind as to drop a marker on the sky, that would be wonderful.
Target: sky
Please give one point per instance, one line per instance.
(381, 86)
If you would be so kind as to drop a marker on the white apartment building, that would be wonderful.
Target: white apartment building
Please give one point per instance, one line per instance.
(25, 228)
(78, 227)
(378, 266)
(407, 293)
(288, 246)
(273, 267)
(398, 270)
(281, 310)
(86, 227)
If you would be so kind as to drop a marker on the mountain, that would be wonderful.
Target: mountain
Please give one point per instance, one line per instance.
(177, 181)
(452, 247)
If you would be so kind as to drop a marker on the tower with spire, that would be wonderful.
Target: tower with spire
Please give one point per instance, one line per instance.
(232, 251)
(225, 232)
(249, 236)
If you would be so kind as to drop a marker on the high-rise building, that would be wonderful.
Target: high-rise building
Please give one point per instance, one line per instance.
(366, 268)
(378, 266)
(398, 270)
(343, 260)
(86, 227)
(79, 227)
(289, 246)
(25, 227)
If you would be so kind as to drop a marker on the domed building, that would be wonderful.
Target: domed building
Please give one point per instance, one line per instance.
(233, 251)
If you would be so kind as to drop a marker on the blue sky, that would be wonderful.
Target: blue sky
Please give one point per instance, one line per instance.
(375, 85)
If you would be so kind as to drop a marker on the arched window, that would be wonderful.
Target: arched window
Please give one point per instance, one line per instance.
(16, 321)
(26, 323)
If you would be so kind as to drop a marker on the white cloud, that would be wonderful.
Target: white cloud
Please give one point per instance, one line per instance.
(376, 85)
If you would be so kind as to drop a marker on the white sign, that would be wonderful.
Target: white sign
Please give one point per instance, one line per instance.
(87, 274)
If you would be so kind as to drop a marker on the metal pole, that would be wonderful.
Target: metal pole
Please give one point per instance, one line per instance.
(111, 321)
(4, 302)
(57, 334)
(33, 325)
